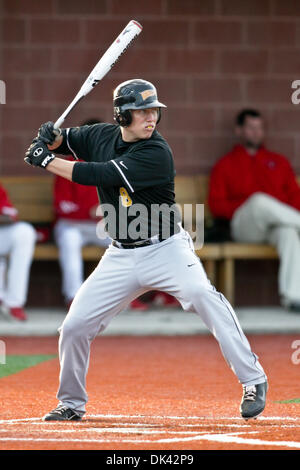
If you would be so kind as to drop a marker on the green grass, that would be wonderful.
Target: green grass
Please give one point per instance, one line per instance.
(294, 400)
(16, 363)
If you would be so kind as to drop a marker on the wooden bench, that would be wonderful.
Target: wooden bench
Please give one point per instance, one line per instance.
(230, 252)
(33, 198)
(193, 190)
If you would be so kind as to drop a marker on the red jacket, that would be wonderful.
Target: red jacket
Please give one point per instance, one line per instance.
(74, 201)
(6, 207)
(238, 175)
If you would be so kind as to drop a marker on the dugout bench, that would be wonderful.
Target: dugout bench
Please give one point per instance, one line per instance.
(32, 196)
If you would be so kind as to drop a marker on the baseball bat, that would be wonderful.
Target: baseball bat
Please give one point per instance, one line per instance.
(107, 61)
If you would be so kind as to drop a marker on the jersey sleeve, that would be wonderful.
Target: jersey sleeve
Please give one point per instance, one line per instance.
(63, 198)
(145, 167)
(80, 141)
(142, 168)
(6, 207)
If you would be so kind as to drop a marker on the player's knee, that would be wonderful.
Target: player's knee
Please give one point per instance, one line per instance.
(73, 329)
(290, 234)
(24, 233)
(193, 292)
(69, 239)
(260, 201)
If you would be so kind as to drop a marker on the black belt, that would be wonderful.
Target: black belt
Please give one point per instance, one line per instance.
(128, 246)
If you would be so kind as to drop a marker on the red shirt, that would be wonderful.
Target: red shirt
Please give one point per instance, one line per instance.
(6, 207)
(238, 175)
(74, 201)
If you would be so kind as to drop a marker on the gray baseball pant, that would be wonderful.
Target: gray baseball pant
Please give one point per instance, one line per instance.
(122, 275)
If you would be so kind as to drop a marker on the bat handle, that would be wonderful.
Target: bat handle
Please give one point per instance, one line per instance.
(59, 122)
(61, 119)
(27, 160)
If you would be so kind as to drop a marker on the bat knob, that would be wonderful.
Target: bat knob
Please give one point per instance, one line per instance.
(27, 160)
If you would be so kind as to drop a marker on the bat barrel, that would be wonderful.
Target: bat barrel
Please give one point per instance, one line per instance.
(107, 61)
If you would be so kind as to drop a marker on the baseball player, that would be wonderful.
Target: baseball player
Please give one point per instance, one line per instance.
(132, 166)
(17, 242)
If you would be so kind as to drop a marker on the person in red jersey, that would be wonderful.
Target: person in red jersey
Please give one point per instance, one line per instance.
(17, 242)
(257, 190)
(77, 225)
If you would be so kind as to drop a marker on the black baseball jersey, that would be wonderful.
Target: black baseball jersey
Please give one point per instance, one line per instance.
(135, 180)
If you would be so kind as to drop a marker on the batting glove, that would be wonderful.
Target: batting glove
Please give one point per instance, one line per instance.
(38, 154)
(47, 133)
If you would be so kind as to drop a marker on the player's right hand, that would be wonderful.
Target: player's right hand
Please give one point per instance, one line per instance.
(38, 154)
(47, 133)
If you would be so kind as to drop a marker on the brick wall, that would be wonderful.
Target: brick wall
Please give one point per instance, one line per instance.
(208, 58)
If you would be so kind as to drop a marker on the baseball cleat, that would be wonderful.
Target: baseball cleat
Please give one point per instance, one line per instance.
(18, 313)
(254, 400)
(62, 413)
(137, 304)
(13, 313)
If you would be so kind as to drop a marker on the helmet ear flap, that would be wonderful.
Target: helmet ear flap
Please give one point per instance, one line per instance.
(124, 119)
(158, 115)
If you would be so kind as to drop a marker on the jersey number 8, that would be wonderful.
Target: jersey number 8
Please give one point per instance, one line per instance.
(125, 198)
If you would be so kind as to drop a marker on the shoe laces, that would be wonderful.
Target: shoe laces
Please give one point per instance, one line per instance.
(60, 409)
(250, 393)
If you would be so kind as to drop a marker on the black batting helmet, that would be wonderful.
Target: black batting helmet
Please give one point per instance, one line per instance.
(134, 94)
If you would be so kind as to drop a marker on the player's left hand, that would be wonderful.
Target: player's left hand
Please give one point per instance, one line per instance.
(38, 154)
(47, 133)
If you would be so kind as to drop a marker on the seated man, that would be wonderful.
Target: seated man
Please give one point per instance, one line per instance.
(256, 189)
(17, 241)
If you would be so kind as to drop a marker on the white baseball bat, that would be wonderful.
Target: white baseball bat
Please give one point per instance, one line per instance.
(107, 61)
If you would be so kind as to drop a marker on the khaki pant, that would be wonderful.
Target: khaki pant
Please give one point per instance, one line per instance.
(17, 242)
(70, 237)
(262, 218)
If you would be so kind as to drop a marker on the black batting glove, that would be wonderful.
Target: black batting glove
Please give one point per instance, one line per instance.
(38, 154)
(47, 133)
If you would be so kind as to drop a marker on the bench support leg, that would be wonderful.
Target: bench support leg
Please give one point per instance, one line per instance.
(227, 279)
(210, 269)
